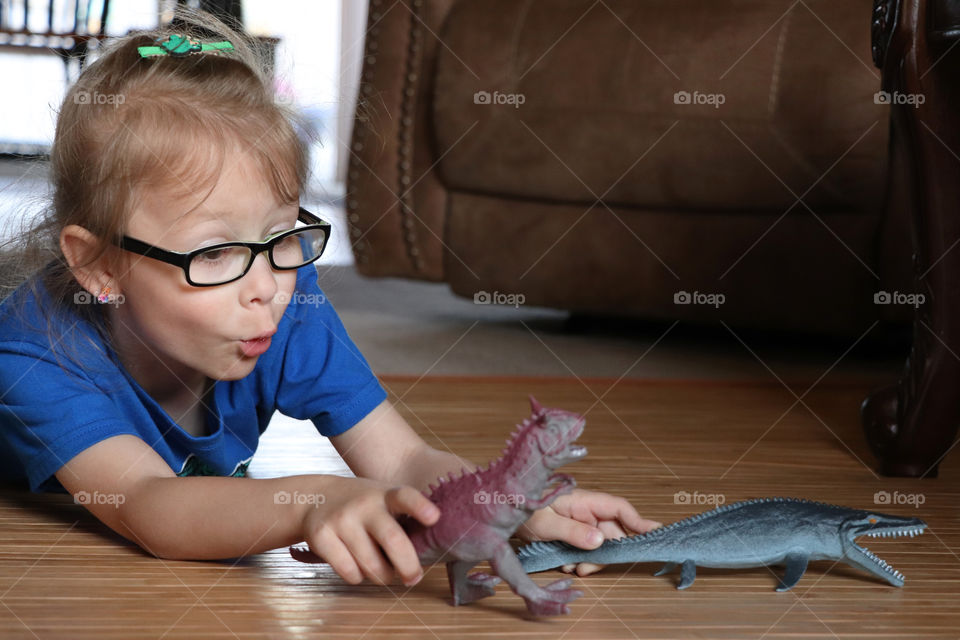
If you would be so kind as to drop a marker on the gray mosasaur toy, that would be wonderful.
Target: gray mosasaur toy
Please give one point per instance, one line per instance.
(754, 533)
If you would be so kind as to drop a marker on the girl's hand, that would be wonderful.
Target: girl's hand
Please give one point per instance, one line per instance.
(355, 530)
(584, 519)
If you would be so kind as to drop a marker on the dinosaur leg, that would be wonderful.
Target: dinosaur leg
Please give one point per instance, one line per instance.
(688, 573)
(796, 566)
(666, 568)
(469, 588)
(541, 601)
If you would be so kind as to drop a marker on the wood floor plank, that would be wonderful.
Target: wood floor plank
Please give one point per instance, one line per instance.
(672, 449)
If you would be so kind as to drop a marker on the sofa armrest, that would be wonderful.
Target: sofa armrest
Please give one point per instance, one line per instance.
(395, 199)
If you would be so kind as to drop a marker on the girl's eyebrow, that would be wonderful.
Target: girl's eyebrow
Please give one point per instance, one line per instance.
(271, 219)
(203, 215)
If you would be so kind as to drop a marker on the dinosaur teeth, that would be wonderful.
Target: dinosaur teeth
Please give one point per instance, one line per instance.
(895, 534)
(882, 564)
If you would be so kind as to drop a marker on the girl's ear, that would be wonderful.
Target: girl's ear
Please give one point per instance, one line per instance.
(79, 247)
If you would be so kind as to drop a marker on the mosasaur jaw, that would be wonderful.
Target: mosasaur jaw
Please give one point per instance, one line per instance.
(859, 555)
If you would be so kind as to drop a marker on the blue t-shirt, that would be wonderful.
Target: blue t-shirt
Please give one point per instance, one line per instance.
(51, 408)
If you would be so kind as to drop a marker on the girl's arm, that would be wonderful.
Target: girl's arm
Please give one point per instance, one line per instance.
(130, 488)
(384, 447)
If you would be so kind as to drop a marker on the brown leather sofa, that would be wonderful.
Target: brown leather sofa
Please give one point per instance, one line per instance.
(625, 156)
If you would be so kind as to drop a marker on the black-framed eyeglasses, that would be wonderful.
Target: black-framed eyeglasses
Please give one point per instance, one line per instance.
(228, 261)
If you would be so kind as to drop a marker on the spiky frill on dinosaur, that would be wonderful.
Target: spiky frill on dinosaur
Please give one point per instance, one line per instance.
(480, 510)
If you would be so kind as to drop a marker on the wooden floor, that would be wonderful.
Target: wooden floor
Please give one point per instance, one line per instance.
(672, 448)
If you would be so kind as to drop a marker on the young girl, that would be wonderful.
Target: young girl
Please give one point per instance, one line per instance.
(178, 308)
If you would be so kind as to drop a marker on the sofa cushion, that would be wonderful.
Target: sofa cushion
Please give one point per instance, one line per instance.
(587, 98)
(699, 267)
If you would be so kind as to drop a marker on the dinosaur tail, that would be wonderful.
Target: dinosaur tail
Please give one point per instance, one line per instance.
(541, 556)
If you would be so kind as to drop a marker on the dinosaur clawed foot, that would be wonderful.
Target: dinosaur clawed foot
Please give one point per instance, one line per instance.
(478, 585)
(481, 585)
(483, 579)
(553, 599)
(560, 585)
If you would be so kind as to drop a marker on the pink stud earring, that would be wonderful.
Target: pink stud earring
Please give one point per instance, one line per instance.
(104, 296)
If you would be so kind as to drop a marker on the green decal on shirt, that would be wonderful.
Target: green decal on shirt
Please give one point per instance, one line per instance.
(194, 466)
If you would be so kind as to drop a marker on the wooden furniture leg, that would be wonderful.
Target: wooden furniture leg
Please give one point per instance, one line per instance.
(911, 425)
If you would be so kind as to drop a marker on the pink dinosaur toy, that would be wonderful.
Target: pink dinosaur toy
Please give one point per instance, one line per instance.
(479, 511)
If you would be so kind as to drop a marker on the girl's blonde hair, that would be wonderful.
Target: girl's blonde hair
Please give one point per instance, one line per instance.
(132, 125)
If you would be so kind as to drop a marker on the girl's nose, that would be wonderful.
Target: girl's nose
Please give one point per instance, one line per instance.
(260, 282)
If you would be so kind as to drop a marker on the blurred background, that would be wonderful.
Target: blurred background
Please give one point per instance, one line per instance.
(318, 50)
(460, 207)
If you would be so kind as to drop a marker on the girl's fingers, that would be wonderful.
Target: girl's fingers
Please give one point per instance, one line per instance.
(393, 539)
(366, 542)
(399, 550)
(368, 556)
(579, 534)
(328, 545)
(633, 521)
(611, 529)
(613, 516)
(586, 568)
(606, 507)
(625, 513)
(407, 500)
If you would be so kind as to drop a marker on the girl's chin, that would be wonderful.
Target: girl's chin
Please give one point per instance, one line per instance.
(234, 370)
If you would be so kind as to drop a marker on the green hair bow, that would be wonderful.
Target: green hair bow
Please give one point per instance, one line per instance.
(178, 46)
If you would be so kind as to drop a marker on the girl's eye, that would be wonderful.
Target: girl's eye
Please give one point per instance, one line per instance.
(213, 256)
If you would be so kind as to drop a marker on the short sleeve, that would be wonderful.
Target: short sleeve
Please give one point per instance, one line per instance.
(50, 411)
(323, 377)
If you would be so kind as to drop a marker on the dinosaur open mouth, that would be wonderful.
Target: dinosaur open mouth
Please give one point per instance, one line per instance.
(567, 450)
(576, 452)
(891, 574)
(570, 453)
